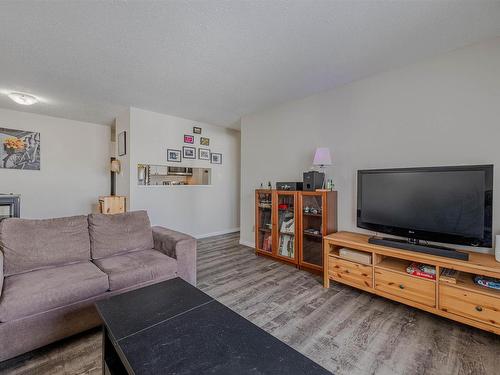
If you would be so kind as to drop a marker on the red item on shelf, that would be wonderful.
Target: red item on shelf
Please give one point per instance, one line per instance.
(283, 206)
(416, 269)
(423, 274)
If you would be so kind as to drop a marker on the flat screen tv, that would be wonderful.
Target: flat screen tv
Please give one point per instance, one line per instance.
(441, 204)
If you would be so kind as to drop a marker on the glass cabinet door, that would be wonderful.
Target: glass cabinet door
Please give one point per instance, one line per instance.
(312, 229)
(286, 225)
(264, 222)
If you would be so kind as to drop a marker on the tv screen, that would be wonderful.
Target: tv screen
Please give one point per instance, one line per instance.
(443, 204)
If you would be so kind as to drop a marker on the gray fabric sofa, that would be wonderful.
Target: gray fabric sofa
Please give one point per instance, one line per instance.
(52, 271)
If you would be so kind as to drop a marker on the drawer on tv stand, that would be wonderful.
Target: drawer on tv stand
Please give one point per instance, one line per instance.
(404, 286)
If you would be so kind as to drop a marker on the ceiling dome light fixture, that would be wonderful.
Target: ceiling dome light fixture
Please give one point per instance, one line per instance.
(22, 98)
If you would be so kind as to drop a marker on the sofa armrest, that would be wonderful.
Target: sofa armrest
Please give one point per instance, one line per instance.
(179, 246)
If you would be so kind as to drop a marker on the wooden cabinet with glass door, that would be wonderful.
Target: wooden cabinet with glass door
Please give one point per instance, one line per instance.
(290, 225)
(285, 219)
(318, 218)
(264, 239)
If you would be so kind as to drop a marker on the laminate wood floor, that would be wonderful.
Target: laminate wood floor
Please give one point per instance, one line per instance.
(345, 330)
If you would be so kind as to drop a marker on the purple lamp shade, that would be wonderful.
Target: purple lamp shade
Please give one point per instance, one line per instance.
(322, 156)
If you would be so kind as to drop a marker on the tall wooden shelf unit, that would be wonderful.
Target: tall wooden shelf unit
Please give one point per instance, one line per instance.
(463, 301)
(290, 225)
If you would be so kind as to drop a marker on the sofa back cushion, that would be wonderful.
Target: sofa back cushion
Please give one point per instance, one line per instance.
(119, 233)
(29, 244)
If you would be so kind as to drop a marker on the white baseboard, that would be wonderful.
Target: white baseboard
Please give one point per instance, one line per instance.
(247, 243)
(221, 232)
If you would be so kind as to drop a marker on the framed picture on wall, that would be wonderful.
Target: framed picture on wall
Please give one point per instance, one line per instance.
(216, 158)
(19, 149)
(204, 141)
(196, 130)
(174, 155)
(203, 154)
(188, 138)
(189, 152)
(122, 143)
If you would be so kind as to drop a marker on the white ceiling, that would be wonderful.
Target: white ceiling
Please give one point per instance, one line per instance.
(216, 60)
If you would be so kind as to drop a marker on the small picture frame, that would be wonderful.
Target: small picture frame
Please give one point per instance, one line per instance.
(122, 143)
(203, 154)
(189, 152)
(204, 141)
(196, 130)
(188, 138)
(215, 158)
(174, 155)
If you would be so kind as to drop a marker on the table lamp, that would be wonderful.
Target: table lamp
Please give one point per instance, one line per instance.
(322, 158)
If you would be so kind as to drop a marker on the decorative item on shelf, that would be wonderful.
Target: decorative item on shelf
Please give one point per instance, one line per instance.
(322, 158)
(203, 154)
(188, 138)
(425, 271)
(122, 143)
(269, 186)
(487, 282)
(189, 152)
(20, 149)
(330, 185)
(215, 158)
(174, 155)
(204, 141)
(448, 275)
(196, 130)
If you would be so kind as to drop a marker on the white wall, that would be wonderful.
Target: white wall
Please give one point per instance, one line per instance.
(74, 166)
(445, 111)
(196, 210)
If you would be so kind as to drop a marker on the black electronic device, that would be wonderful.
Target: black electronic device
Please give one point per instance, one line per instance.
(441, 204)
(417, 247)
(313, 180)
(292, 186)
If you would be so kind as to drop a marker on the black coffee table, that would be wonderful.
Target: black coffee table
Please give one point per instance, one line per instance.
(173, 328)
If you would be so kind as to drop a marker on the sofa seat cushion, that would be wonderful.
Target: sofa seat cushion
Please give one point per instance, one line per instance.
(42, 290)
(119, 233)
(137, 267)
(31, 244)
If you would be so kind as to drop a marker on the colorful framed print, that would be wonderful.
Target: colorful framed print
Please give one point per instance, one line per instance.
(19, 149)
(196, 130)
(204, 141)
(189, 152)
(203, 154)
(174, 155)
(188, 138)
(216, 158)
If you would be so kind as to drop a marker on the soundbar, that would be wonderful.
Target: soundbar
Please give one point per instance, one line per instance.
(427, 249)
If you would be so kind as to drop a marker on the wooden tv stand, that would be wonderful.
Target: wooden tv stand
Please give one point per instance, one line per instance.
(386, 276)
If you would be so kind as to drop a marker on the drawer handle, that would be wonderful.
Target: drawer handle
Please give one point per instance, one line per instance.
(401, 286)
(479, 308)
